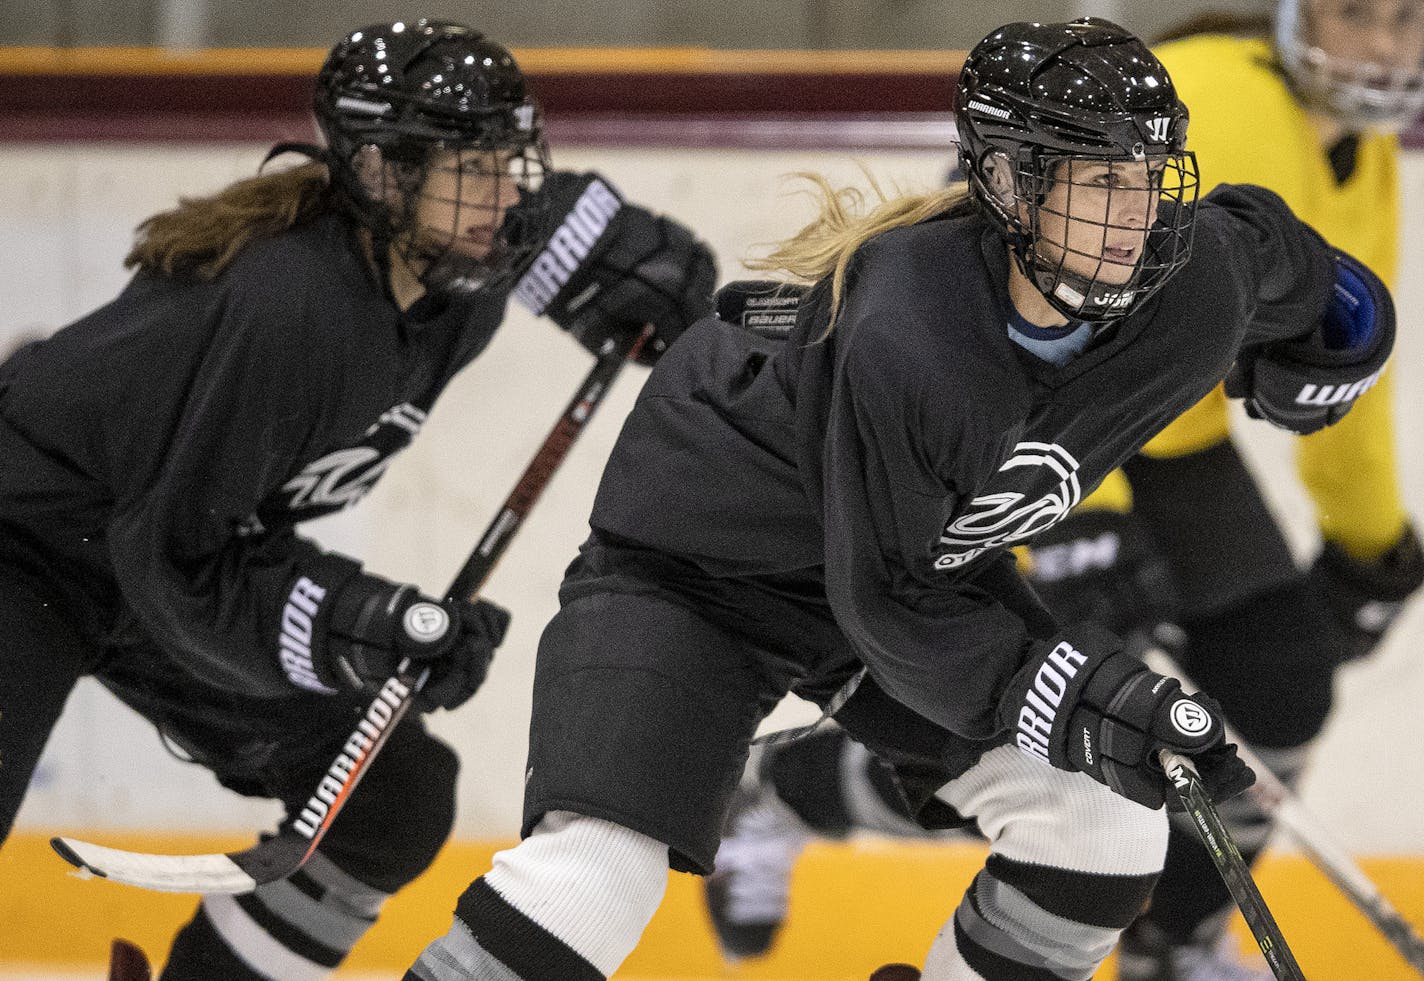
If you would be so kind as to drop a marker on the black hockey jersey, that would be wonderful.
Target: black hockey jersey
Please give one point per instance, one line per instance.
(156, 454)
(902, 453)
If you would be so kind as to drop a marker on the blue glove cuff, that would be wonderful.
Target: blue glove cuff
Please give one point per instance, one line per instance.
(1349, 320)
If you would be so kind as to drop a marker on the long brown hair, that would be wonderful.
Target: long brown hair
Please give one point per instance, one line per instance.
(201, 235)
(826, 245)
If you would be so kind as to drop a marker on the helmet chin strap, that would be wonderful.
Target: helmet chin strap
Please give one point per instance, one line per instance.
(431, 269)
(449, 272)
(1080, 297)
(441, 271)
(1077, 297)
(441, 274)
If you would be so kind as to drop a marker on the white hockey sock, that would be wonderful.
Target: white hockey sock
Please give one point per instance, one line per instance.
(592, 884)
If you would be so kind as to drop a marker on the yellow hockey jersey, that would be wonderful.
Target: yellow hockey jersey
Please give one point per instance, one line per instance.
(1247, 128)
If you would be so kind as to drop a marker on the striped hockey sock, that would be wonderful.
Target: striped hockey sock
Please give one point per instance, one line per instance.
(296, 929)
(570, 903)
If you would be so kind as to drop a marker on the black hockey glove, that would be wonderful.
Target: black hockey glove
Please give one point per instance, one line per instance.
(1309, 384)
(1102, 566)
(355, 634)
(1084, 705)
(609, 267)
(1365, 598)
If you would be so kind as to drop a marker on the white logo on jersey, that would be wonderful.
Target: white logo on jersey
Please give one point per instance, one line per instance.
(1157, 128)
(568, 247)
(342, 477)
(405, 415)
(1001, 517)
(338, 479)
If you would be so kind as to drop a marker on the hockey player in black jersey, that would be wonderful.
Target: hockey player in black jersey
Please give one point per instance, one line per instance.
(1151, 545)
(831, 514)
(279, 342)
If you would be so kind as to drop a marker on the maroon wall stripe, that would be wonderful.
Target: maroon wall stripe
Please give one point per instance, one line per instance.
(874, 109)
(632, 109)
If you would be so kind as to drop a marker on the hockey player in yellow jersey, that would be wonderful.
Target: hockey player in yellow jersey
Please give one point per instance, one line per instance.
(1308, 105)
(1312, 112)
(1254, 124)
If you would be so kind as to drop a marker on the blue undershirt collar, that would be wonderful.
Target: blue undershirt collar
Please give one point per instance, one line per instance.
(1056, 345)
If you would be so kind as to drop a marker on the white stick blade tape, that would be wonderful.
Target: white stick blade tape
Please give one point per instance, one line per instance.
(162, 873)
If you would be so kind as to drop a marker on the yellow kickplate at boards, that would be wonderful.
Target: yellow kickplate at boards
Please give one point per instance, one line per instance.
(854, 907)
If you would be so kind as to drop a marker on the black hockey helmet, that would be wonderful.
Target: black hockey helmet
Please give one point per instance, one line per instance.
(406, 90)
(1033, 97)
(1361, 93)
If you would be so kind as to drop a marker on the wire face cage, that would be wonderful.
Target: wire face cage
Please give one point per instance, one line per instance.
(471, 216)
(1101, 235)
(1335, 58)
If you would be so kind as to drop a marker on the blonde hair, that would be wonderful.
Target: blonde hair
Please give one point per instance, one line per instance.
(825, 246)
(201, 236)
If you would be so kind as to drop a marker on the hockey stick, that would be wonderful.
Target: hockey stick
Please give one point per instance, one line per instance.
(1278, 801)
(1234, 872)
(282, 854)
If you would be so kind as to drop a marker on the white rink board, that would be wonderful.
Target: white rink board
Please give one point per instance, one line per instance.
(68, 214)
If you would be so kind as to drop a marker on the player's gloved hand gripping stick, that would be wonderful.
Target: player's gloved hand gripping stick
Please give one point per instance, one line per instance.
(1080, 703)
(279, 856)
(1085, 705)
